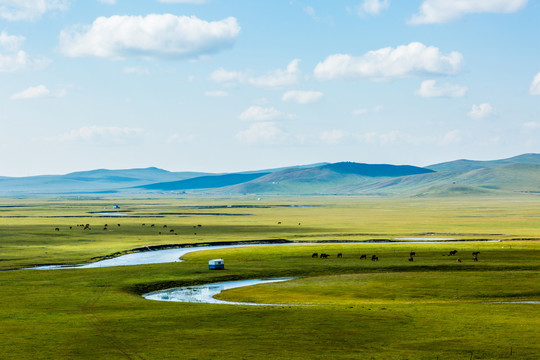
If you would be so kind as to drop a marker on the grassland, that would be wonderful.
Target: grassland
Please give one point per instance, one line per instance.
(431, 308)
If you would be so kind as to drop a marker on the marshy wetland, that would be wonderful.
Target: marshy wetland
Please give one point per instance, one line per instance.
(431, 307)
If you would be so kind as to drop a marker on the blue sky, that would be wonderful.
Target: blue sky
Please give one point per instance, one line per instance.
(220, 86)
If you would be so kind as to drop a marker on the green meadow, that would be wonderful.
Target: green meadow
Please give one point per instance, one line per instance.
(337, 308)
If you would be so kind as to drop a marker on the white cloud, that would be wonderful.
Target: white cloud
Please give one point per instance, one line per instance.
(373, 7)
(302, 97)
(218, 93)
(332, 137)
(279, 78)
(105, 135)
(40, 91)
(14, 10)
(481, 111)
(266, 133)
(387, 63)
(451, 137)
(152, 36)
(227, 77)
(274, 79)
(108, 2)
(137, 70)
(535, 85)
(531, 125)
(259, 113)
(429, 88)
(444, 11)
(19, 61)
(32, 93)
(11, 43)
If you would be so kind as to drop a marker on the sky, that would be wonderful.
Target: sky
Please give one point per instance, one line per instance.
(237, 85)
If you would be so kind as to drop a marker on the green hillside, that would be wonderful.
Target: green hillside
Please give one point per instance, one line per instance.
(463, 164)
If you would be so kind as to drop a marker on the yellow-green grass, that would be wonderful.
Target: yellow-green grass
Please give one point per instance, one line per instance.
(391, 309)
(433, 307)
(28, 236)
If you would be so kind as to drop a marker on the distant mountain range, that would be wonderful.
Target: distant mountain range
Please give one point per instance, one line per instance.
(519, 174)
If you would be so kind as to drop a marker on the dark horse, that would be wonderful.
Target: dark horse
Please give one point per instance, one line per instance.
(315, 255)
(363, 257)
(374, 258)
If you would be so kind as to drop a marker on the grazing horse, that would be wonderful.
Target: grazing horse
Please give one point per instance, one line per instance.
(172, 230)
(152, 225)
(56, 229)
(411, 258)
(475, 258)
(453, 252)
(324, 256)
(340, 255)
(475, 253)
(315, 255)
(374, 258)
(363, 257)
(412, 254)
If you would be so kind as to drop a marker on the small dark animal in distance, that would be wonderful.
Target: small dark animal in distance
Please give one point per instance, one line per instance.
(143, 224)
(453, 252)
(199, 225)
(172, 230)
(56, 229)
(458, 259)
(152, 225)
(363, 257)
(476, 253)
(340, 255)
(164, 226)
(475, 258)
(374, 258)
(411, 258)
(314, 255)
(279, 222)
(324, 256)
(118, 224)
(412, 253)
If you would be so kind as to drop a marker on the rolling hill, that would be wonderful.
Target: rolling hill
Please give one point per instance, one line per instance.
(515, 175)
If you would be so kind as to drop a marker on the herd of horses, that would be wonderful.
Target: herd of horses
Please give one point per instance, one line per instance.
(412, 254)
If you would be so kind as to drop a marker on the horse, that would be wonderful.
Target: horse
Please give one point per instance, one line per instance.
(475, 253)
(412, 254)
(315, 255)
(475, 258)
(374, 258)
(453, 252)
(363, 257)
(340, 255)
(411, 258)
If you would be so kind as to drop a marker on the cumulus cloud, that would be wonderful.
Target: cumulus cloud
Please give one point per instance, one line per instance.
(373, 7)
(481, 111)
(105, 135)
(11, 42)
(15, 10)
(302, 97)
(332, 137)
(151, 36)
(259, 113)
(13, 58)
(444, 11)
(265, 133)
(535, 85)
(32, 93)
(429, 88)
(388, 63)
(40, 91)
(273, 79)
